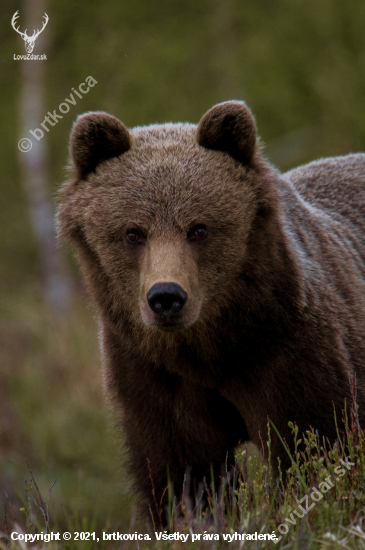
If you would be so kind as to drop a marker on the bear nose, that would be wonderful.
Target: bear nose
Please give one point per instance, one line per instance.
(166, 298)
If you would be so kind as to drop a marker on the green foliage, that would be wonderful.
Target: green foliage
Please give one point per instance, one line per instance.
(318, 503)
(51, 392)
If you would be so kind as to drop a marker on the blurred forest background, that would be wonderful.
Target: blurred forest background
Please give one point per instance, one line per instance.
(300, 66)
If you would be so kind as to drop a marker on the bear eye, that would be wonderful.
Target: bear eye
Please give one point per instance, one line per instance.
(133, 235)
(198, 232)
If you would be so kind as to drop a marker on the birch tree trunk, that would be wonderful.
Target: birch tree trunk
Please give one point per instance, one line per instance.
(56, 283)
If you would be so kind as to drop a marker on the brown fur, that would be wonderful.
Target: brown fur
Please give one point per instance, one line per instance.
(274, 321)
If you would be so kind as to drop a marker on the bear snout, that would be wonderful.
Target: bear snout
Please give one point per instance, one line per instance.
(166, 300)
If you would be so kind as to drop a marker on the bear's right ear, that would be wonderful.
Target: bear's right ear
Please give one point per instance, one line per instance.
(96, 137)
(229, 127)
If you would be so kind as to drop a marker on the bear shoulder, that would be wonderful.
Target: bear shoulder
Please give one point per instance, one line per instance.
(335, 184)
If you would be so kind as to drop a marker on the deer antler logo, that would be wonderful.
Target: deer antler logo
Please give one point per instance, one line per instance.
(29, 40)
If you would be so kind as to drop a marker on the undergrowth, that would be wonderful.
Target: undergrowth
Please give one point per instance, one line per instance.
(318, 503)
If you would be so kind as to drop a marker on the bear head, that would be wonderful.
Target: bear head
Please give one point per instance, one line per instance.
(161, 216)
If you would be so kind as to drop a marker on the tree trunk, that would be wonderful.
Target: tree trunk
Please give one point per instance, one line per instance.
(56, 282)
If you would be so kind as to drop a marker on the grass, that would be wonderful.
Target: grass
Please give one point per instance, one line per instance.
(53, 416)
(54, 426)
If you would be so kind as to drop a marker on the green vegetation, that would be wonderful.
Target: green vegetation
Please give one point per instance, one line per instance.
(52, 396)
(318, 504)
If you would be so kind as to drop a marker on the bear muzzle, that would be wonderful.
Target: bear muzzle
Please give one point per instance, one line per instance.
(166, 300)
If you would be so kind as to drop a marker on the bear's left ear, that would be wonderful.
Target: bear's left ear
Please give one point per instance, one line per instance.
(96, 137)
(229, 127)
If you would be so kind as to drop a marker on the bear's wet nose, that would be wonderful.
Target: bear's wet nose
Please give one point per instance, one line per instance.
(166, 298)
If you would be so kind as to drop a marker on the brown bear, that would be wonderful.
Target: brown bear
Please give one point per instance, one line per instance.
(227, 292)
